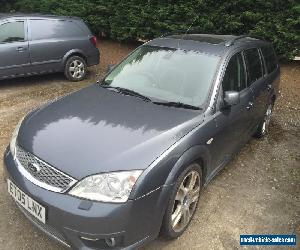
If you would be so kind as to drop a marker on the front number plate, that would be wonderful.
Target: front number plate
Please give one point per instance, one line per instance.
(29, 204)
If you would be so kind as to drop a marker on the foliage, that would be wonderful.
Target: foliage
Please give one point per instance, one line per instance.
(6, 6)
(274, 20)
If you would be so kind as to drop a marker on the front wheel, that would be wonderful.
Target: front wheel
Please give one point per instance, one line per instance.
(263, 127)
(183, 202)
(75, 69)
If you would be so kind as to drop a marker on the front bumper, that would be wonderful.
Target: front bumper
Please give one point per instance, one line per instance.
(83, 224)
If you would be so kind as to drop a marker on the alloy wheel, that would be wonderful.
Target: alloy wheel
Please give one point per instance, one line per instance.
(267, 119)
(77, 69)
(186, 200)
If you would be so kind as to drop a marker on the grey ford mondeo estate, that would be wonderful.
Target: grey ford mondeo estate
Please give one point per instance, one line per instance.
(37, 44)
(113, 165)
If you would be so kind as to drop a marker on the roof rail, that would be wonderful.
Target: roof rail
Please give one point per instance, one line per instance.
(233, 40)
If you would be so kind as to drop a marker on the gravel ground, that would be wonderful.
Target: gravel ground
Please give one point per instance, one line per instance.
(257, 193)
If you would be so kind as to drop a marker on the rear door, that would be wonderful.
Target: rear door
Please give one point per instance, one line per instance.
(271, 68)
(257, 83)
(233, 122)
(50, 40)
(14, 52)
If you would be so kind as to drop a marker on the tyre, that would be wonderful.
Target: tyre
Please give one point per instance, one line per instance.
(263, 127)
(182, 203)
(75, 69)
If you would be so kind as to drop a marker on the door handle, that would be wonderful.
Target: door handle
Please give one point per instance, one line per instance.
(21, 49)
(250, 105)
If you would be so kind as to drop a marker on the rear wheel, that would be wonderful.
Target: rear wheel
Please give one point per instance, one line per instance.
(183, 202)
(75, 69)
(263, 128)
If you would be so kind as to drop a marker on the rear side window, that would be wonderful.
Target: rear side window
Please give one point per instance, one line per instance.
(47, 29)
(270, 58)
(234, 78)
(12, 32)
(254, 65)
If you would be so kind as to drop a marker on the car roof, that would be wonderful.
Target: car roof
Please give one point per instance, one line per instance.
(206, 43)
(35, 15)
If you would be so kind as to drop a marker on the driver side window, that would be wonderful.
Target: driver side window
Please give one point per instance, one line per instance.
(234, 78)
(12, 32)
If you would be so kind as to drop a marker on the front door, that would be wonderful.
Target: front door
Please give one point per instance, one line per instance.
(232, 122)
(257, 83)
(14, 52)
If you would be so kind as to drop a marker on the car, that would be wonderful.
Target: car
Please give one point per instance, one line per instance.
(38, 44)
(115, 164)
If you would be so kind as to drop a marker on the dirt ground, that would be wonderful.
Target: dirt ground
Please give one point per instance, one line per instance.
(257, 193)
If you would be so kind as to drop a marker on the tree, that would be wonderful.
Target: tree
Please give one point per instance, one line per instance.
(274, 20)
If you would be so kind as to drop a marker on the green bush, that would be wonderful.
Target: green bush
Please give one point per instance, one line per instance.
(274, 20)
(6, 6)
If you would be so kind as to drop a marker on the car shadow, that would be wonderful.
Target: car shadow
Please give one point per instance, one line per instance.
(35, 79)
(45, 79)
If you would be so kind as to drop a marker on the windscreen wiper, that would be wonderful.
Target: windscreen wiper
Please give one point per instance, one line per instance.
(127, 92)
(177, 105)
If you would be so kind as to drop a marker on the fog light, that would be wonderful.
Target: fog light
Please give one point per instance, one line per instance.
(111, 242)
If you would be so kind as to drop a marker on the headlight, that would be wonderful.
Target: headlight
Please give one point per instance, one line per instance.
(107, 187)
(13, 140)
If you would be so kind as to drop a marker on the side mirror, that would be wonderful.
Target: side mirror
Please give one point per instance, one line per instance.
(231, 98)
(110, 67)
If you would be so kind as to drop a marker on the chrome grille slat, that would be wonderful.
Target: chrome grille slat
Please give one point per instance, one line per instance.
(47, 177)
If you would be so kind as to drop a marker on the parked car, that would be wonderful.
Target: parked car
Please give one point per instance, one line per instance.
(113, 165)
(37, 44)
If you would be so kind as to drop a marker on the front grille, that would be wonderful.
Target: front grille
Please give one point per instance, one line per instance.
(42, 173)
(49, 230)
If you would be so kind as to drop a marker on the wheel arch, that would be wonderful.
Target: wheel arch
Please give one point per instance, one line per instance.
(173, 170)
(197, 154)
(166, 172)
(73, 52)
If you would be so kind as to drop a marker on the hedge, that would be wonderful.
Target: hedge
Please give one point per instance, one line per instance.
(277, 21)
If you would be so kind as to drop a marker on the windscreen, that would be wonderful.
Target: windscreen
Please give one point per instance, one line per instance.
(172, 75)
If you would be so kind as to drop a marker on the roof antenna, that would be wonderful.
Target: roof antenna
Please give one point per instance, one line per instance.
(188, 29)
